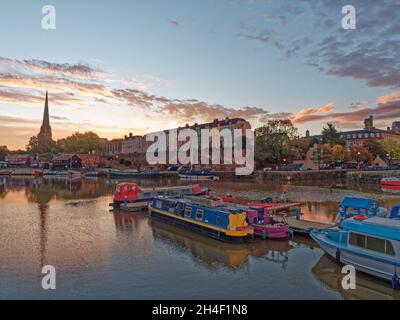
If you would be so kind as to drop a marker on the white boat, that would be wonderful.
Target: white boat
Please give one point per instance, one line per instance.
(370, 244)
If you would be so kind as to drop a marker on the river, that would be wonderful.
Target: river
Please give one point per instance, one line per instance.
(100, 254)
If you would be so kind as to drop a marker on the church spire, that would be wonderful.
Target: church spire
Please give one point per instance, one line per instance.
(45, 129)
(46, 120)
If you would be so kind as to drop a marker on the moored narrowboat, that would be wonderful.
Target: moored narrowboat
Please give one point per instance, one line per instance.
(204, 216)
(130, 192)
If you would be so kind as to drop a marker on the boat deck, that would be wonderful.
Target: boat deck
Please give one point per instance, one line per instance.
(134, 206)
(303, 226)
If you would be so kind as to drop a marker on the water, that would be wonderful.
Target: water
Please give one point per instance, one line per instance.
(101, 254)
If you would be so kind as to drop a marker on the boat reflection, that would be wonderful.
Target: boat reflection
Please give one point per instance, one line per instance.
(327, 271)
(390, 189)
(214, 253)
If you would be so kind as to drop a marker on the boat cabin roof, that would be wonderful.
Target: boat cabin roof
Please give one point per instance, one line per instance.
(376, 226)
(192, 201)
(364, 203)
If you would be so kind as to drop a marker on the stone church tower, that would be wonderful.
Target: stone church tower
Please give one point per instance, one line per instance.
(45, 129)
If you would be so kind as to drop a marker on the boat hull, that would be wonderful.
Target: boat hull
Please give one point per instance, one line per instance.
(193, 177)
(271, 231)
(216, 234)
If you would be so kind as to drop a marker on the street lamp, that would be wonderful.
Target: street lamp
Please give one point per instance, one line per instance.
(358, 160)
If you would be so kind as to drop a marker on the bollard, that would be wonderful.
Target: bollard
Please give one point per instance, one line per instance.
(297, 213)
(264, 234)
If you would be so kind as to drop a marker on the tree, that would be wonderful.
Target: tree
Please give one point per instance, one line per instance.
(331, 136)
(375, 148)
(360, 154)
(392, 149)
(128, 163)
(82, 143)
(38, 145)
(3, 152)
(323, 154)
(336, 153)
(274, 142)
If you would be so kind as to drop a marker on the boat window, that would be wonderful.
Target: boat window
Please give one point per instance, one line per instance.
(158, 204)
(218, 220)
(372, 243)
(179, 208)
(376, 244)
(357, 240)
(188, 211)
(199, 214)
(170, 206)
(389, 248)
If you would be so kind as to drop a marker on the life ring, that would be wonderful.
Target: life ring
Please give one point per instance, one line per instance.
(360, 218)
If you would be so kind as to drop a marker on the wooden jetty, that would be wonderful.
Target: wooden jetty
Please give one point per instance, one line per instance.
(134, 206)
(303, 226)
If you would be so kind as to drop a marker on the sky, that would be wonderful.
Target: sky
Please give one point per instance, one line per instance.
(116, 67)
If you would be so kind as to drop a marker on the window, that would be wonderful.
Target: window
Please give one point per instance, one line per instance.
(188, 212)
(372, 243)
(199, 214)
(218, 220)
(170, 206)
(389, 248)
(179, 208)
(357, 240)
(376, 244)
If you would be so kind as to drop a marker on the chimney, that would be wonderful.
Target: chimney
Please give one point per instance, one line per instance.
(369, 123)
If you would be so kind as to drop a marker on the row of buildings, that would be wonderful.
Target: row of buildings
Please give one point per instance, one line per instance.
(137, 145)
(61, 161)
(353, 138)
(356, 138)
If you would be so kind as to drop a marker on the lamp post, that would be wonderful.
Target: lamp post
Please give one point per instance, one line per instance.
(358, 160)
(388, 156)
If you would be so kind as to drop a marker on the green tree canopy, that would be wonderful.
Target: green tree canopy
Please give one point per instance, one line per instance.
(37, 145)
(82, 143)
(392, 149)
(3, 152)
(277, 142)
(331, 136)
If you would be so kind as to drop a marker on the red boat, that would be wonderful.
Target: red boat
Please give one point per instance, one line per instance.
(127, 192)
(227, 198)
(264, 225)
(392, 181)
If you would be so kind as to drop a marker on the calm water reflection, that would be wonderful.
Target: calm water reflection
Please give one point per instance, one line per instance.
(101, 254)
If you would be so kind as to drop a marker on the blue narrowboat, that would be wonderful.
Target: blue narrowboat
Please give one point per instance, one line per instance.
(204, 216)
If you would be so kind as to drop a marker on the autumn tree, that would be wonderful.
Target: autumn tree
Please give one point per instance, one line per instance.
(360, 154)
(375, 147)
